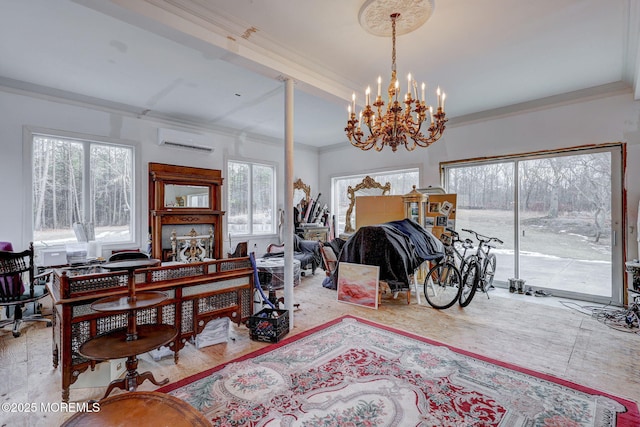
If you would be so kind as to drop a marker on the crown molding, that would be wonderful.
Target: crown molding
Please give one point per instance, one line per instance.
(596, 92)
(59, 96)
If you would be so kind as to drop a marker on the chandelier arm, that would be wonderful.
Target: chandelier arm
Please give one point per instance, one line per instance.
(412, 147)
(356, 140)
(434, 135)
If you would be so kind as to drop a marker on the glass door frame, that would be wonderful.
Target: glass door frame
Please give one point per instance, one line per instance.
(618, 220)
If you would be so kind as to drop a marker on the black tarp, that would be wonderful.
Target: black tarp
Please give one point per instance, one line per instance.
(426, 245)
(397, 247)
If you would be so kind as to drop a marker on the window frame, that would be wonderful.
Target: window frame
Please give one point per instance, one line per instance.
(274, 196)
(619, 248)
(29, 132)
(361, 175)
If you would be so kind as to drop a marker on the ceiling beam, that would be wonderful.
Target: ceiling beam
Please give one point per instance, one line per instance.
(245, 47)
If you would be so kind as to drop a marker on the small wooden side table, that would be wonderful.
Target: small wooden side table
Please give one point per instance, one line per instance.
(140, 409)
(134, 339)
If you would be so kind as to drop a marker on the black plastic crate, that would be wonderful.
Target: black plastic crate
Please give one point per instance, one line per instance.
(269, 325)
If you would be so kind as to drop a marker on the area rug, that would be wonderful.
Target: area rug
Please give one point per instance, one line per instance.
(352, 372)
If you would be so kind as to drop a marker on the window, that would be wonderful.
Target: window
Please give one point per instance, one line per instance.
(402, 182)
(558, 214)
(81, 182)
(198, 200)
(250, 198)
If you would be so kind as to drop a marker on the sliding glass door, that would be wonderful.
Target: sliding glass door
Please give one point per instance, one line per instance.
(485, 202)
(559, 215)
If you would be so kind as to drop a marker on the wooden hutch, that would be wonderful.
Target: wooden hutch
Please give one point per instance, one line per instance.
(183, 198)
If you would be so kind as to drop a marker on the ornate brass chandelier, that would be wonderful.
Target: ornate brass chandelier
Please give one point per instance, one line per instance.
(396, 126)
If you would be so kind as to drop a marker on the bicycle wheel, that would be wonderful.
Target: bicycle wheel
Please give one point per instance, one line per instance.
(443, 285)
(470, 279)
(489, 271)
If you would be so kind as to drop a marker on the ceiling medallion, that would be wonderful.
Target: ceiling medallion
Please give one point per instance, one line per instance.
(395, 126)
(374, 15)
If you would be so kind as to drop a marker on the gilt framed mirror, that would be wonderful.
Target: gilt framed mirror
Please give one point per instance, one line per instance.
(368, 187)
(301, 191)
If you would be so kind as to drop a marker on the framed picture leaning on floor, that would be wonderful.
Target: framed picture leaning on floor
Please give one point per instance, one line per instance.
(358, 284)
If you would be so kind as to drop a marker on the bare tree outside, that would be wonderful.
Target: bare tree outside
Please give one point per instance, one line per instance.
(250, 198)
(59, 195)
(564, 209)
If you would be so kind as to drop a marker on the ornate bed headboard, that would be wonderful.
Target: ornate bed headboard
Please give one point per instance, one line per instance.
(368, 187)
(192, 247)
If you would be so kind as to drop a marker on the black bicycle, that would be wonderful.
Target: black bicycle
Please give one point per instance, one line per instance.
(481, 268)
(443, 283)
(460, 248)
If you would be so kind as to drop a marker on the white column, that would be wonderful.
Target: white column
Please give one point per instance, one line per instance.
(288, 199)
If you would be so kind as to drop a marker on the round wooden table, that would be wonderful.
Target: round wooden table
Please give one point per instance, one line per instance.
(134, 339)
(140, 409)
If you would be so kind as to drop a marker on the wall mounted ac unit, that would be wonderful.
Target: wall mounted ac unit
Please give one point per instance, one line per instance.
(184, 140)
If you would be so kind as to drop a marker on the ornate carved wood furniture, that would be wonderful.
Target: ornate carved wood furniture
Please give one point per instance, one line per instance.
(183, 198)
(192, 247)
(368, 187)
(196, 293)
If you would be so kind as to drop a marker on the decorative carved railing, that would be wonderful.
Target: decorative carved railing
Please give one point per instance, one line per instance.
(198, 293)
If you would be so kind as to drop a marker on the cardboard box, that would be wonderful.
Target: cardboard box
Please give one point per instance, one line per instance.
(52, 257)
(374, 210)
(76, 253)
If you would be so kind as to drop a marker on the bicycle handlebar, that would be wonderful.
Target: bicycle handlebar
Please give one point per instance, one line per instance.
(484, 239)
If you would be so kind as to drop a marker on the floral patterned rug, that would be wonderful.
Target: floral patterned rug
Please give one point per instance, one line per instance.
(352, 372)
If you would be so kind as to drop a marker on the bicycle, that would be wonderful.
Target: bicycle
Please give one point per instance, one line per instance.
(443, 283)
(460, 248)
(481, 268)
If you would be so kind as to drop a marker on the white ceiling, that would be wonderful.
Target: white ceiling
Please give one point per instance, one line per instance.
(220, 63)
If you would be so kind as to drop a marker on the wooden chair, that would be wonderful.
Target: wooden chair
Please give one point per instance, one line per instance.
(241, 250)
(19, 285)
(329, 258)
(127, 255)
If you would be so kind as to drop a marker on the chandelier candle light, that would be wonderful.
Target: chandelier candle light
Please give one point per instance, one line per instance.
(396, 126)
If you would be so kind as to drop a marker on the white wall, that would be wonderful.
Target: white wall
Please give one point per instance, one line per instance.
(594, 121)
(20, 110)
